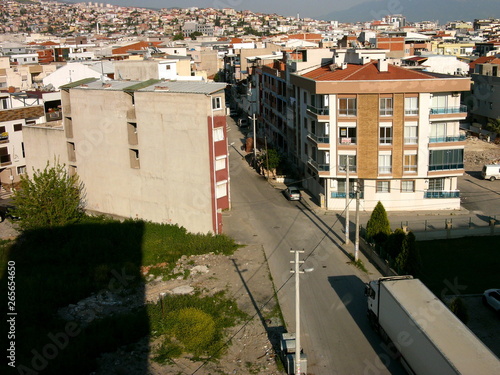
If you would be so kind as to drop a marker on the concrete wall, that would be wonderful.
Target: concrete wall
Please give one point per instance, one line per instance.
(173, 182)
(139, 70)
(42, 145)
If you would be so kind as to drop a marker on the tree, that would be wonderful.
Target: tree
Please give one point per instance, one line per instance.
(195, 34)
(394, 244)
(178, 36)
(457, 307)
(494, 125)
(50, 198)
(378, 226)
(408, 262)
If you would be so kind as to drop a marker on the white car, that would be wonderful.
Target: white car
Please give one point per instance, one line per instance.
(491, 298)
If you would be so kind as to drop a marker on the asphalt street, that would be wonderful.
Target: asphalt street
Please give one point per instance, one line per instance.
(336, 336)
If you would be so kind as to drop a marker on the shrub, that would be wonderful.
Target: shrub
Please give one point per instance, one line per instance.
(195, 329)
(378, 227)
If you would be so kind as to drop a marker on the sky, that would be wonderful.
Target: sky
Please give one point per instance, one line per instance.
(304, 8)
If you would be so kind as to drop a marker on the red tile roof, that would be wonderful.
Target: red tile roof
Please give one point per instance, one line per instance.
(134, 47)
(367, 72)
(481, 60)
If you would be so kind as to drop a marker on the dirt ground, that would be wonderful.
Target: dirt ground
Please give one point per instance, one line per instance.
(479, 152)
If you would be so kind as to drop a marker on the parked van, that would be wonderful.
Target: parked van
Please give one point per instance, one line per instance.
(491, 172)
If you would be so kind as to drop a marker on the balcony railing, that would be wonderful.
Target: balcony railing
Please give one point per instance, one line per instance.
(319, 167)
(439, 194)
(352, 194)
(319, 139)
(347, 140)
(446, 167)
(319, 111)
(411, 140)
(448, 110)
(456, 138)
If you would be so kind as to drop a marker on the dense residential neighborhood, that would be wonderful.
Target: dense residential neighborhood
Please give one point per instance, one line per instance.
(205, 131)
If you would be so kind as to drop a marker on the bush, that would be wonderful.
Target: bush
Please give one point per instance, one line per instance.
(378, 227)
(195, 329)
(50, 198)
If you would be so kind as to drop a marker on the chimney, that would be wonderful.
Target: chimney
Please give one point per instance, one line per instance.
(382, 65)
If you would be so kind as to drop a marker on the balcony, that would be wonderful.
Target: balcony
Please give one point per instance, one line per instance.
(319, 167)
(4, 137)
(446, 167)
(441, 194)
(319, 139)
(352, 194)
(53, 116)
(319, 111)
(456, 138)
(448, 110)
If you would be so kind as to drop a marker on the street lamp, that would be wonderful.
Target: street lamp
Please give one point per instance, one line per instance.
(297, 306)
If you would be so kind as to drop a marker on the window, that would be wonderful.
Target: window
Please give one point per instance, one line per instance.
(384, 164)
(408, 186)
(347, 135)
(436, 184)
(439, 101)
(21, 170)
(410, 164)
(341, 184)
(221, 190)
(18, 127)
(385, 134)
(218, 134)
(383, 187)
(411, 133)
(438, 132)
(347, 107)
(386, 108)
(220, 163)
(30, 122)
(216, 102)
(446, 159)
(71, 151)
(411, 106)
(134, 158)
(168, 67)
(343, 163)
(22, 149)
(4, 103)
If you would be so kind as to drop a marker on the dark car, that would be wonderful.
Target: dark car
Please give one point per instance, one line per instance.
(292, 193)
(6, 212)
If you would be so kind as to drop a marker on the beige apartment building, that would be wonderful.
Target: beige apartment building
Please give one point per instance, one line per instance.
(154, 150)
(397, 129)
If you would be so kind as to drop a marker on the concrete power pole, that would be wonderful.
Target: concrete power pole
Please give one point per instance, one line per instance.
(356, 241)
(297, 308)
(347, 201)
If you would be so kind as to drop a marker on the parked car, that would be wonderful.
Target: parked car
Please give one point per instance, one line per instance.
(491, 298)
(491, 172)
(6, 212)
(292, 193)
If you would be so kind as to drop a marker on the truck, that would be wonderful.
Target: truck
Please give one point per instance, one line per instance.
(422, 332)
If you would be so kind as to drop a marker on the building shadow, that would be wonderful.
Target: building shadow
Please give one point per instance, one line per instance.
(475, 174)
(350, 291)
(79, 293)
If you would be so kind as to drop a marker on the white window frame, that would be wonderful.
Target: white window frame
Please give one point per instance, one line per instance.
(383, 186)
(411, 106)
(221, 189)
(351, 107)
(386, 107)
(410, 168)
(220, 163)
(407, 186)
(216, 102)
(385, 133)
(411, 133)
(384, 163)
(218, 134)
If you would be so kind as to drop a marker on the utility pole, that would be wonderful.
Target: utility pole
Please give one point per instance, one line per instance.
(356, 241)
(297, 308)
(254, 142)
(347, 201)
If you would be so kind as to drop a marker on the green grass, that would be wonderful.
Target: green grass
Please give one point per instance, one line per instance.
(60, 266)
(472, 264)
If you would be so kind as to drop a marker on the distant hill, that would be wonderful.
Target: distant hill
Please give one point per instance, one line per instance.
(418, 10)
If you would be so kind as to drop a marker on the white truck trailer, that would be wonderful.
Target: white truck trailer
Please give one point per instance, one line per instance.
(428, 337)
